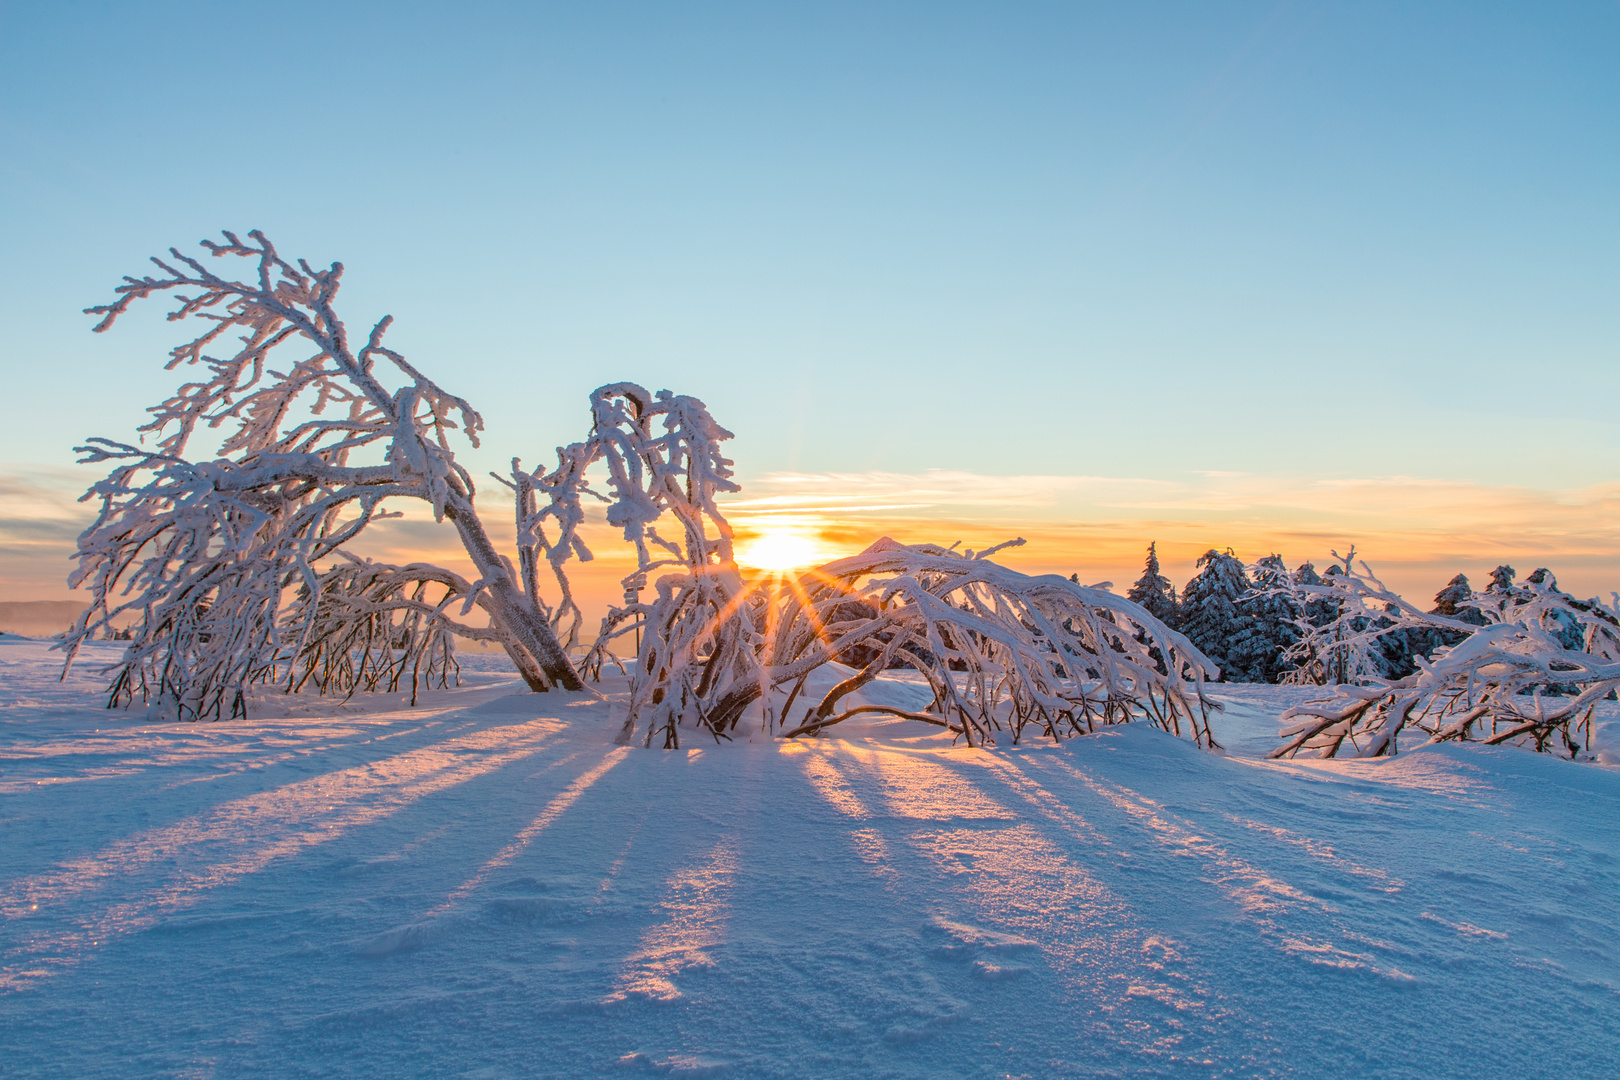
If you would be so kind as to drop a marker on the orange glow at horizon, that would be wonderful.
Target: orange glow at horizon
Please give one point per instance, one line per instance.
(779, 546)
(1415, 532)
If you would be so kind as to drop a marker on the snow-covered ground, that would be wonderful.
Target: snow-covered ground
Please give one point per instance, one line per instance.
(486, 886)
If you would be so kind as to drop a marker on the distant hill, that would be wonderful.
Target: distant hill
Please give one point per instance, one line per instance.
(38, 618)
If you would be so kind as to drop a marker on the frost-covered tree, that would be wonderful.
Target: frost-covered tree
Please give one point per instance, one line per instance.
(1515, 679)
(236, 570)
(1215, 621)
(1154, 591)
(1455, 601)
(998, 650)
(1278, 610)
(1346, 638)
(1502, 595)
(233, 566)
(1569, 629)
(1318, 610)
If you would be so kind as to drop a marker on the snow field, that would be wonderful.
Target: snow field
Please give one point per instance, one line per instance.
(487, 886)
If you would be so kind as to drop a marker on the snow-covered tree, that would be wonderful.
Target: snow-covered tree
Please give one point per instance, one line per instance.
(231, 566)
(1345, 636)
(1215, 621)
(236, 569)
(1278, 610)
(1318, 610)
(1455, 601)
(999, 650)
(1515, 679)
(1569, 629)
(1154, 591)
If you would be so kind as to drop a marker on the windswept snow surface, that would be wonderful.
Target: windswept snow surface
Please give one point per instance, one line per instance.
(486, 886)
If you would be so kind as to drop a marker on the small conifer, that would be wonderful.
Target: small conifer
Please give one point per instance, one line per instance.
(1154, 591)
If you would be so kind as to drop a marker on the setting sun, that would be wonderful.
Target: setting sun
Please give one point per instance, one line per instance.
(779, 549)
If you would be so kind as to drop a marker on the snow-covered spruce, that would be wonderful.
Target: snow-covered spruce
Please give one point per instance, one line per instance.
(201, 555)
(1531, 674)
(1278, 614)
(1154, 591)
(1216, 619)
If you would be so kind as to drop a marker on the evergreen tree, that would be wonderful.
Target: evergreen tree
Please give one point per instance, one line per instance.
(1212, 618)
(1396, 648)
(1455, 601)
(1502, 595)
(1277, 612)
(1327, 610)
(1356, 649)
(1318, 611)
(1155, 593)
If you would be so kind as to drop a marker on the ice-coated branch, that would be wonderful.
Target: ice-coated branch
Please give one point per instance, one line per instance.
(200, 555)
(1000, 650)
(1531, 675)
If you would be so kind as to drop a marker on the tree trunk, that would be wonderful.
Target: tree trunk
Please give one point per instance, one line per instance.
(507, 604)
(527, 666)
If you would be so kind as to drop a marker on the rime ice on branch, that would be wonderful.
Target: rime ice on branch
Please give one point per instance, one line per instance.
(1000, 650)
(1529, 671)
(224, 565)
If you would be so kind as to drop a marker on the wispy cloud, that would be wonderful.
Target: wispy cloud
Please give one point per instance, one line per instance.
(40, 521)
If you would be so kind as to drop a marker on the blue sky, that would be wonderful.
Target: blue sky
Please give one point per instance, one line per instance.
(1158, 242)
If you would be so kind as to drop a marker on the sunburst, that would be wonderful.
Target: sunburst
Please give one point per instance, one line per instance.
(779, 548)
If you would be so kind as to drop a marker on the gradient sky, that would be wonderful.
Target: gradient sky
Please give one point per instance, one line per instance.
(1280, 276)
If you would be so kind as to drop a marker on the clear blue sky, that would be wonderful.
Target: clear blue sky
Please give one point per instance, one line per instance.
(1136, 240)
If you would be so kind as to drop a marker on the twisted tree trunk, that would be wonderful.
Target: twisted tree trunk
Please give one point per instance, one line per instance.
(535, 650)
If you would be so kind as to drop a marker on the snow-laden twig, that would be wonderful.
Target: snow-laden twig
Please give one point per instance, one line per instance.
(1519, 678)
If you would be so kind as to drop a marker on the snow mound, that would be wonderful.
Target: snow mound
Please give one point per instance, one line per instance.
(485, 885)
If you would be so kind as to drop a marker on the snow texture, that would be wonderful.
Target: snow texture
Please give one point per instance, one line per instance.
(486, 886)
